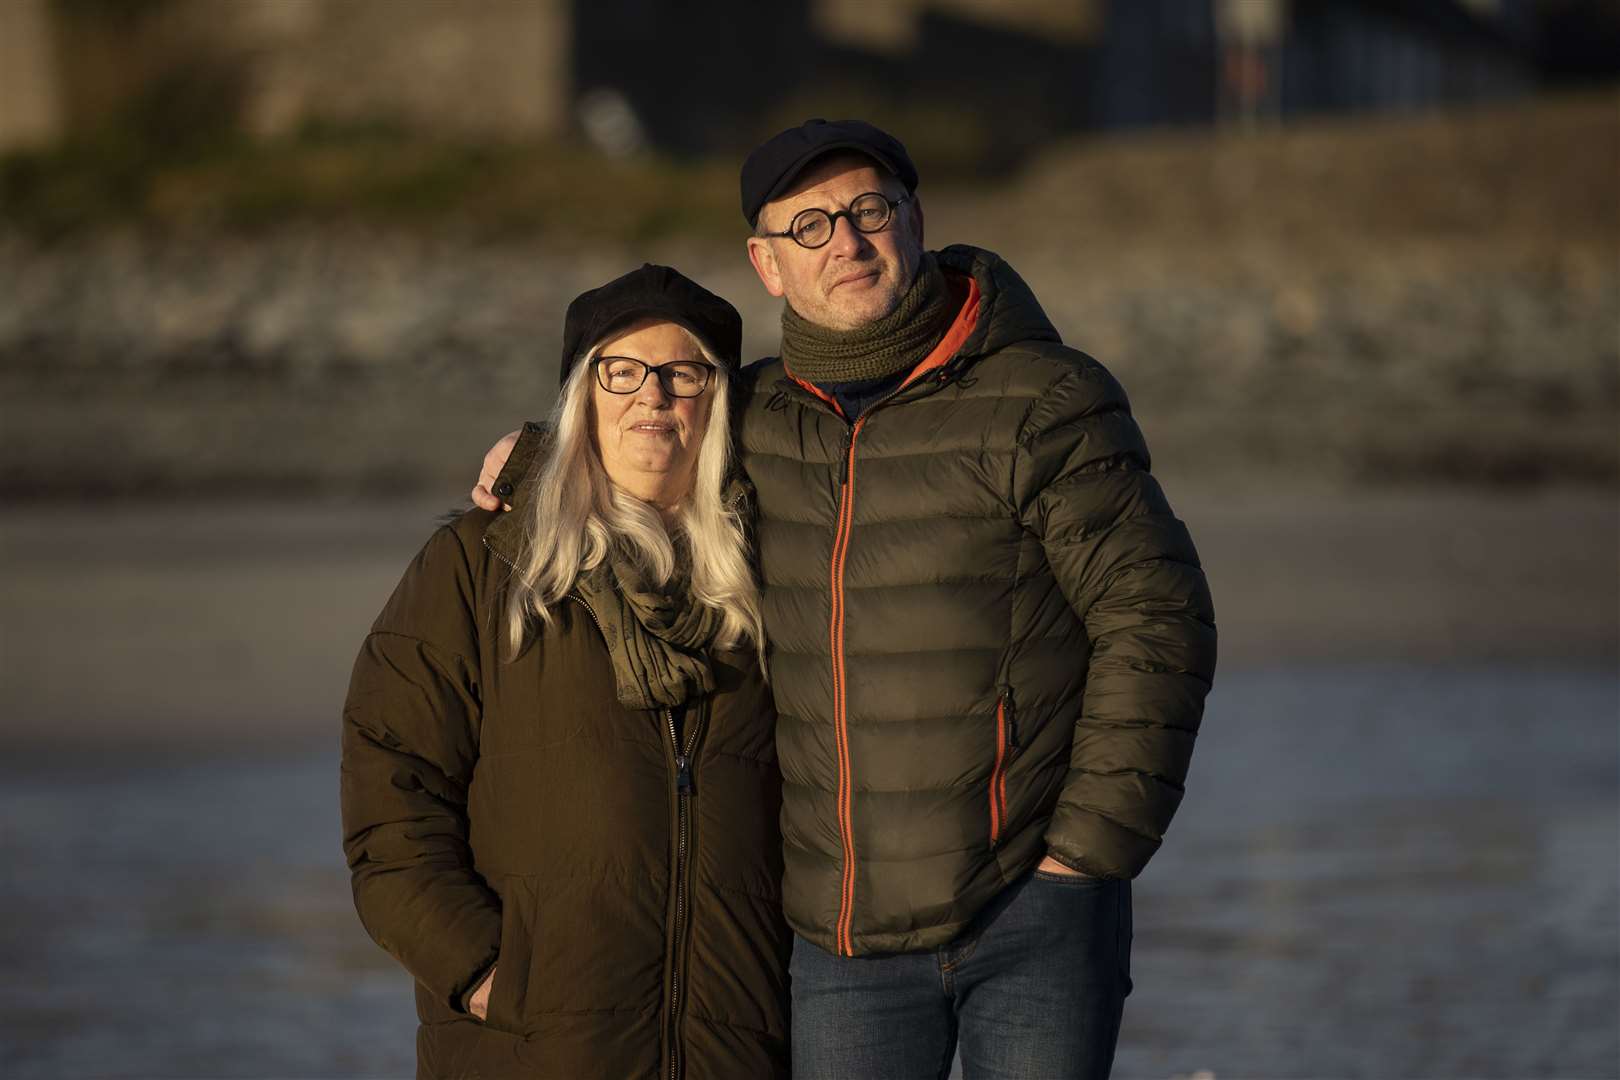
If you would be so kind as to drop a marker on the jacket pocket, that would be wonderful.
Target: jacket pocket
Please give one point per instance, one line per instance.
(510, 989)
(1006, 748)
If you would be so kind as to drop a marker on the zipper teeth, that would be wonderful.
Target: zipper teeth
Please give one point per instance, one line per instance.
(998, 777)
(588, 610)
(675, 970)
(846, 515)
(1010, 742)
(841, 741)
(680, 848)
(681, 845)
(497, 554)
(680, 908)
(1001, 791)
(846, 520)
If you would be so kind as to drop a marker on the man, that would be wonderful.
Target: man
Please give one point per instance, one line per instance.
(991, 638)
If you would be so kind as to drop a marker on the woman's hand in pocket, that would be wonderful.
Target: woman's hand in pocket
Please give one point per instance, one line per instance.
(478, 1003)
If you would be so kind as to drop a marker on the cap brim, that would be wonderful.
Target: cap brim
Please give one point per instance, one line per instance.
(630, 315)
(792, 172)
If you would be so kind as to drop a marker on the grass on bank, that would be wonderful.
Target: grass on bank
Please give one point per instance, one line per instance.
(1541, 169)
(366, 177)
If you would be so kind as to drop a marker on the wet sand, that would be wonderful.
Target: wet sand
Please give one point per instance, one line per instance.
(1381, 871)
(211, 626)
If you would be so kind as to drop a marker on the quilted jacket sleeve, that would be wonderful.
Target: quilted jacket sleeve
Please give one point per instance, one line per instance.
(1128, 568)
(410, 737)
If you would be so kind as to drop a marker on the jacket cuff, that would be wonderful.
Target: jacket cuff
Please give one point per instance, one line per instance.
(1093, 844)
(1073, 864)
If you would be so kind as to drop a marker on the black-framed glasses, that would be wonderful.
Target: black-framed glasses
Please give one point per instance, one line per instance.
(626, 374)
(868, 213)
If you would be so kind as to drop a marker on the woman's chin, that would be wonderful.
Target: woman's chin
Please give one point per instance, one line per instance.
(645, 473)
(654, 466)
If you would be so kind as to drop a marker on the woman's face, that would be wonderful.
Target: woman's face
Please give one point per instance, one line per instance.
(648, 440)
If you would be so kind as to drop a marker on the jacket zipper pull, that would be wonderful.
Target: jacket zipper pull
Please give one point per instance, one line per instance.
(683, 774)
(1012, 726)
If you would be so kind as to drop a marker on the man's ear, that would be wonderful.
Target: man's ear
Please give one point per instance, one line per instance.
(917, 219)
(764, 260)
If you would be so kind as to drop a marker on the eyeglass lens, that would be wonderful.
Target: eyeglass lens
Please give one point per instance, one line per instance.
(812, 228)
(625, 375)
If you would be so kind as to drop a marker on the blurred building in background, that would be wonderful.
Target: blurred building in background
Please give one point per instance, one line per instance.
(30, 109)
(275, 67)
(983, 80)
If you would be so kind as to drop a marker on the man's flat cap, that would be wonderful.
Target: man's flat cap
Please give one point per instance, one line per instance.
(772, 167)
(658, 292)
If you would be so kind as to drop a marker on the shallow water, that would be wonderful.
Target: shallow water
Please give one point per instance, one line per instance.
(1378, 871)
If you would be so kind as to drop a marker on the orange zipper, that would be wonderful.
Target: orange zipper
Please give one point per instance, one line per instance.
(961, 329)
(846, 515)
(998, 776)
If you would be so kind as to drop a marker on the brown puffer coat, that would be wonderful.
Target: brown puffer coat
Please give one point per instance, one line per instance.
(515, 811)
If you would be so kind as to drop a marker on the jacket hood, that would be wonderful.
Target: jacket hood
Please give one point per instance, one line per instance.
(1008, 310)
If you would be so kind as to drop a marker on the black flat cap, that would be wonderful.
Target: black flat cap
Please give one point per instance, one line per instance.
(654, 291)
(774, 164)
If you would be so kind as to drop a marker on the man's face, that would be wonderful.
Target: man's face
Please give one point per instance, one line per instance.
(855, 278)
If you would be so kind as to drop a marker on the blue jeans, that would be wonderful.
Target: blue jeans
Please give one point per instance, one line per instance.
(1033, 989)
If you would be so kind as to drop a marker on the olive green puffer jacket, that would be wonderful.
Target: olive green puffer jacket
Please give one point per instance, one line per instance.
(516, 811)
(990, 636)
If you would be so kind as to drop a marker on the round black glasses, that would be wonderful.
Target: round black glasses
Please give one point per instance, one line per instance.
(626, 374)
(869, 213)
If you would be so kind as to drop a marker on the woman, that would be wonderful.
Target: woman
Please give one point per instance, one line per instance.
(560, 789)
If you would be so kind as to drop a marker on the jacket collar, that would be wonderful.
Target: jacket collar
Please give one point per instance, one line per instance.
(504, 537)
(1007, 313)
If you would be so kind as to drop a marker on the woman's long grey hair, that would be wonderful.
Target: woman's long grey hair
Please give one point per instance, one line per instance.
(578, 515)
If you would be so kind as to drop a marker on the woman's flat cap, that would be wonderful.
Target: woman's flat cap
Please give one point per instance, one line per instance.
(772, 167)
(653, 292)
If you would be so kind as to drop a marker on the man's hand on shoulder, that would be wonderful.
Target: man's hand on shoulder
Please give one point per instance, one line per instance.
(483, 496)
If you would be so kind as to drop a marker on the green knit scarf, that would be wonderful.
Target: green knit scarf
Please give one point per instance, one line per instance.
(657, 636)
(897, 342)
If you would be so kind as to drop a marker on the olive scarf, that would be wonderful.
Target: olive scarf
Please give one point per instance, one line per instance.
(895, 343)
(657, 636)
